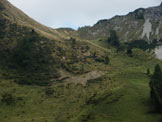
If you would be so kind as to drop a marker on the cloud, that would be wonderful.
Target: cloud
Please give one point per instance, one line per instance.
(77, 13)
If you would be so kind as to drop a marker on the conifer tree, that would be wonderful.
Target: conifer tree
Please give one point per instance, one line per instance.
(156, 88)
(113, 39)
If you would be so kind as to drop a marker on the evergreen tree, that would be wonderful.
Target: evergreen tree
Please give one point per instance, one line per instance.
(113, 39)
(107, 60)
(157, 73)
(156, 88)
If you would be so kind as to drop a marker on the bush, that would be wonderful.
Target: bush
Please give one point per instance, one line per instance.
(7, 98)
(49, 91)
(2, 27)
(148, 72)
(28, 53)
(73, 41)
(129, 52)
(107, 60)
(2, 7)
(34, 60)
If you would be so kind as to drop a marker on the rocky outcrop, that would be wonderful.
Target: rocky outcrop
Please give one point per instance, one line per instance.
(140, 24)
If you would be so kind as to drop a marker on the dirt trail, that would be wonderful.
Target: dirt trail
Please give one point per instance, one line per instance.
(82, 79)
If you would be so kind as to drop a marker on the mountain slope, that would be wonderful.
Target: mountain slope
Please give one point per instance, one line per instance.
(49, 78)
(140, 24)
(29, 49)
(15, 15)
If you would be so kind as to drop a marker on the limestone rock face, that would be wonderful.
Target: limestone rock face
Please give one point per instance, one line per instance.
(140, 24)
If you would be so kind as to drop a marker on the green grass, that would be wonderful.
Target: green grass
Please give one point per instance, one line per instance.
(121, 95)
(132, 102)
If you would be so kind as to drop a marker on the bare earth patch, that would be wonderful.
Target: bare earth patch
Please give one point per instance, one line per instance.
(82, 79)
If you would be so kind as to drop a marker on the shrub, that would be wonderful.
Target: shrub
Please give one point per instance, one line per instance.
(2, 7)
(107, 60)
(73, 41)
(129, 52)
(2, 27)
(34, 60)
(148, 72)
(49, 91)
(94, 54)
(7, 98)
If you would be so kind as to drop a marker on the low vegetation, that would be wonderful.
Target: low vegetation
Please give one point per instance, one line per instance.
(142, 44)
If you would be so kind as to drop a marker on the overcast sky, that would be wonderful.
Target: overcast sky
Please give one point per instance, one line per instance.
(77, 13)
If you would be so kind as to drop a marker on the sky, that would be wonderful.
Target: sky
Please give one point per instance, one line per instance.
(78, 13)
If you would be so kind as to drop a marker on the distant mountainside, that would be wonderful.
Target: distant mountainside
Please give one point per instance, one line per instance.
(140, 24)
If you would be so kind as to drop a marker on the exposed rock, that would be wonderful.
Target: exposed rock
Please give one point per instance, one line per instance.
(139, 24)
(147, 29)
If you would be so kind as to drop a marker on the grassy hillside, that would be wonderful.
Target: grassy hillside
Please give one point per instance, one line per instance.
(121, 93)
(15, 15)
(45, 76)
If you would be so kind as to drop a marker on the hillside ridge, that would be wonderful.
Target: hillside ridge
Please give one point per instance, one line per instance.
(142, 23)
